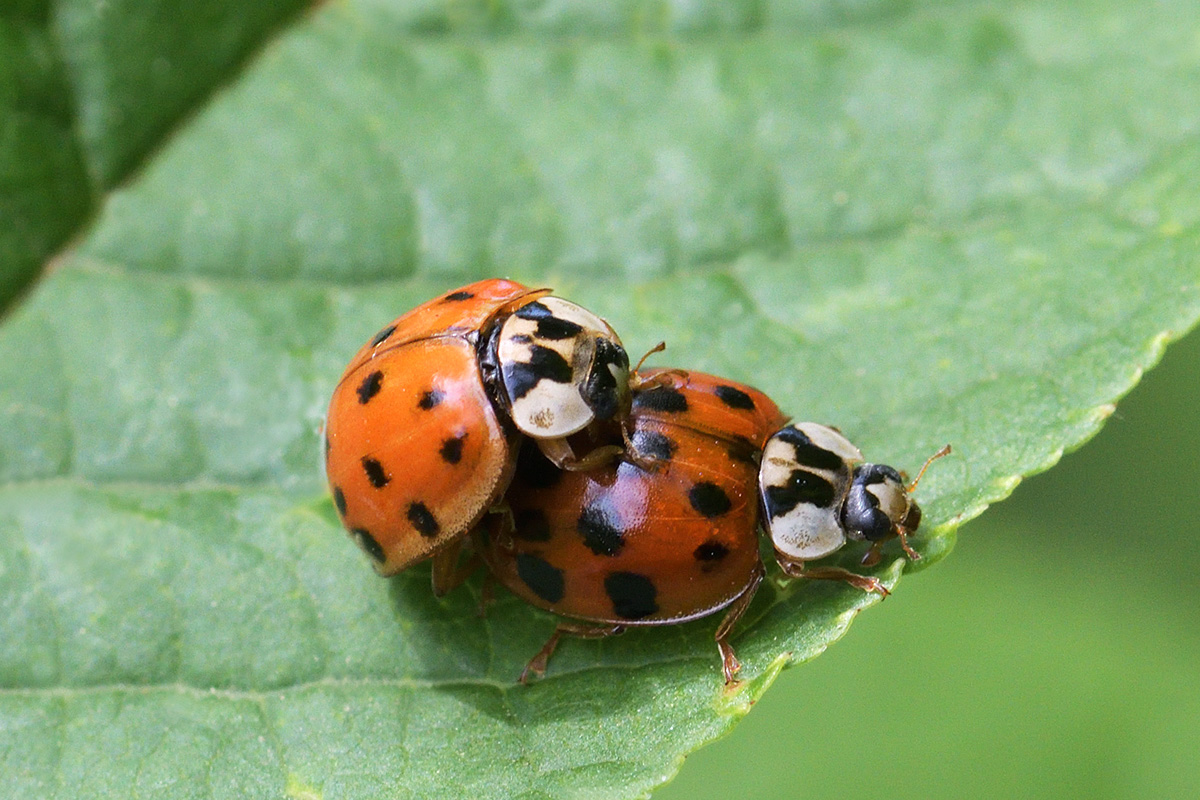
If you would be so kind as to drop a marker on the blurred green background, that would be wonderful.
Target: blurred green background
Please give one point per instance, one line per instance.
(1055, 653)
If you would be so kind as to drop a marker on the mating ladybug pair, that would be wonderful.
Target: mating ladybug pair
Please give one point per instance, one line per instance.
(510, 418)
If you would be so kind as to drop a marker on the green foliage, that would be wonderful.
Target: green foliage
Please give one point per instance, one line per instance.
(961, 223)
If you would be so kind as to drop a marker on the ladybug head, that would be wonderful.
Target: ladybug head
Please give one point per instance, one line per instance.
(606, 389)
(878, 505)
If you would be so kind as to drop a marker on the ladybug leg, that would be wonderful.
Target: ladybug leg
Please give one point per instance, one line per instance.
(556, 451)
(448, 574)
(597, 458)
(864, 582)
(872, 556)
(560, 454)
(729, 661)
(537, 664)
(634, 456)
(487, 594)
(913, 518)
(500, 526)
(912, 554)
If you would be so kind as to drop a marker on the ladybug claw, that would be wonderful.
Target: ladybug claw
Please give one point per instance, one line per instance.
(912, 554)
(486, 595)
(530, 669)
(631, 454)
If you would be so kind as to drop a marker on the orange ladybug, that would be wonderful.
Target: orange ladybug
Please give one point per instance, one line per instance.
(667, 534)
(420, 438)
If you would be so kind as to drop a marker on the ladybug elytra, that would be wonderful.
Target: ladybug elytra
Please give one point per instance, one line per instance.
(665, 535)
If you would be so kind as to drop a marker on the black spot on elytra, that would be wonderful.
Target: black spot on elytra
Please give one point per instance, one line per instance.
(457, 297)
(661, 398)
(600, 530)
(328, 447)
(734, 398)
(709, 499)
(633, 596)
(375, 473)
(383, 334)
(531, 525)
(802, 487)
(339, 500)
(370, 387)
(367, 542)
(543, 579)
(423, 520)
(534, 469)
(742, 449)
(710, 552)
(430, 399)
(600, 391)
(544, 364)
(654, 444)
(452, 449)
(808, 452)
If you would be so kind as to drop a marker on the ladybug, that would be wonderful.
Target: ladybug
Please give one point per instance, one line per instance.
(818, 494)
(664, 535)
(421, 434)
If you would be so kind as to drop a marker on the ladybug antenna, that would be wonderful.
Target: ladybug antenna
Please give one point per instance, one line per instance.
(658, 348)
(945, 451)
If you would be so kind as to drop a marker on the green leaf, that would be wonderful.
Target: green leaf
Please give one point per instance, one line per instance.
(954, 223)
(87, 90)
